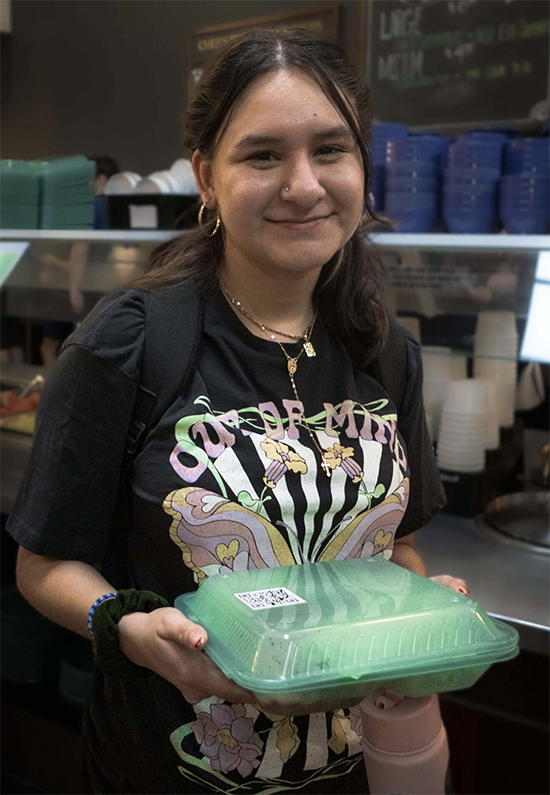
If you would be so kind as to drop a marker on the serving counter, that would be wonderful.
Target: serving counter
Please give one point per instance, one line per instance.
(512, 584)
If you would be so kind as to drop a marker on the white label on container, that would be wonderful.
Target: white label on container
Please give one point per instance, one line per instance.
(144, 216)
(270, 597)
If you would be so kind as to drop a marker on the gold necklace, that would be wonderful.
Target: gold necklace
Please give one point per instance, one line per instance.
(292, 365)
(308, 347)
(291, 362)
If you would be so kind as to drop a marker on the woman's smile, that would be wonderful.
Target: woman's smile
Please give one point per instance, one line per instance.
(306, 225)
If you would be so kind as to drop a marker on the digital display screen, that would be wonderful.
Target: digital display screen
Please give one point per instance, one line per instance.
(536, 339)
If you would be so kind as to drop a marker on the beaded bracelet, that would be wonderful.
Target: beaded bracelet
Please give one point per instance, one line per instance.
(94, 607)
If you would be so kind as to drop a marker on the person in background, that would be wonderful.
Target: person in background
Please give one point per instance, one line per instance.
(11, 341)
(265, 458)
(55, 332)
(106, 167)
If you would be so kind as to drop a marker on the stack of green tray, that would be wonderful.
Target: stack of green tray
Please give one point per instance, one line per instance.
(66, 192)
(19, 195)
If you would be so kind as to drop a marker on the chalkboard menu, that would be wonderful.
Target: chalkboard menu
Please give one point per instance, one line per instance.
(445, 62)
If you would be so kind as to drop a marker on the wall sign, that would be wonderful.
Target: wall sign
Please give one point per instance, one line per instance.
(206, 43)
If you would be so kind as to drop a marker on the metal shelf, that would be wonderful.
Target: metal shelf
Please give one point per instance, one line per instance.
(383, 240)
(91, 235)
(448, 242)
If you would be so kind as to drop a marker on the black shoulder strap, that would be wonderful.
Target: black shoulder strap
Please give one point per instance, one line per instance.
(173, 325)
(390, 367)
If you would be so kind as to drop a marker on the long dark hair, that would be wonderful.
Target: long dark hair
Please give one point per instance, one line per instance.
(349, 291)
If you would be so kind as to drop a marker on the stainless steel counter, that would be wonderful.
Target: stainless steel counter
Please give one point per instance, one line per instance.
(509, 582)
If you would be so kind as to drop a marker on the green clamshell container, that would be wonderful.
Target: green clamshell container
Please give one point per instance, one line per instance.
(337, 630)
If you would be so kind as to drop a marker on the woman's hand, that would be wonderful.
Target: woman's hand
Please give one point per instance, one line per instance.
(453, 583)
(170, 645)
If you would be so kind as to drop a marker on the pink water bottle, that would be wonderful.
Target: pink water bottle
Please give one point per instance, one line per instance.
(404, 744)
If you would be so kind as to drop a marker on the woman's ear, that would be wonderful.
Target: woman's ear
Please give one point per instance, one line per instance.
(203, 174)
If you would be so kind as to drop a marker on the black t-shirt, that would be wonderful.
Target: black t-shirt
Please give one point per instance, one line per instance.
(228, 480)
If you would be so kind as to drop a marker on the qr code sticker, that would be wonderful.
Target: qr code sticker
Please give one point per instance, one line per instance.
(271, 597)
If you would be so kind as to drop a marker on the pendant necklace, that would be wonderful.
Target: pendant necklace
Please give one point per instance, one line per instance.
(308, 347)
(291, 361)
(292, 365)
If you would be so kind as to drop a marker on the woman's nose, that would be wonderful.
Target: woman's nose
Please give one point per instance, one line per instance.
(303, 184)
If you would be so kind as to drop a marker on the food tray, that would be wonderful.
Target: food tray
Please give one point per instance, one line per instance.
(339, 629)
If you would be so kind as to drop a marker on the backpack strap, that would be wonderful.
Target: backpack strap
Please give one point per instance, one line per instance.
(390, 367)
(173, 326)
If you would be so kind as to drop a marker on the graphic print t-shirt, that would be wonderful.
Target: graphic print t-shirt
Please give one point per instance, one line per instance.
(228, 481)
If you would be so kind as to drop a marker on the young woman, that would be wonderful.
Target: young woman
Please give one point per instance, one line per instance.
(282, 448)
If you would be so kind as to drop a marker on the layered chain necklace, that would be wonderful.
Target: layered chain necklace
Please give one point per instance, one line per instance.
(292, 362)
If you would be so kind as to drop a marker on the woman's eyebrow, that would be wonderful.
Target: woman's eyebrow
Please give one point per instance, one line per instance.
(339, 131)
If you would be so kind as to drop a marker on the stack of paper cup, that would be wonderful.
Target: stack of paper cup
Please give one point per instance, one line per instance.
(459, 366)
(496, 333)
(495, 359)
(436, 363)
(462, 433)
(492, 435)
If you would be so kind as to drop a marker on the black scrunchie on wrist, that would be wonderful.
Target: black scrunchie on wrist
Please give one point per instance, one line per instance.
(108, 656)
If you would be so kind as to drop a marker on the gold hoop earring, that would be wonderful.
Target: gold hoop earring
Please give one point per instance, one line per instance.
(201, 223)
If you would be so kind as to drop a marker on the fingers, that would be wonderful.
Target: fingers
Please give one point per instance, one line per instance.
(176, 627)
(461, 586)
(227, 692)
(198, 669)
(454, 583)
(194, 696)
(223, 687)
(218, 685)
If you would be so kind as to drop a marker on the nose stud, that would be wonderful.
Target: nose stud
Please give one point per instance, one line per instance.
(287, 189)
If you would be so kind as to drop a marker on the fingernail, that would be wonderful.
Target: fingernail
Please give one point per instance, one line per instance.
(196, 640)
(463, 591)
